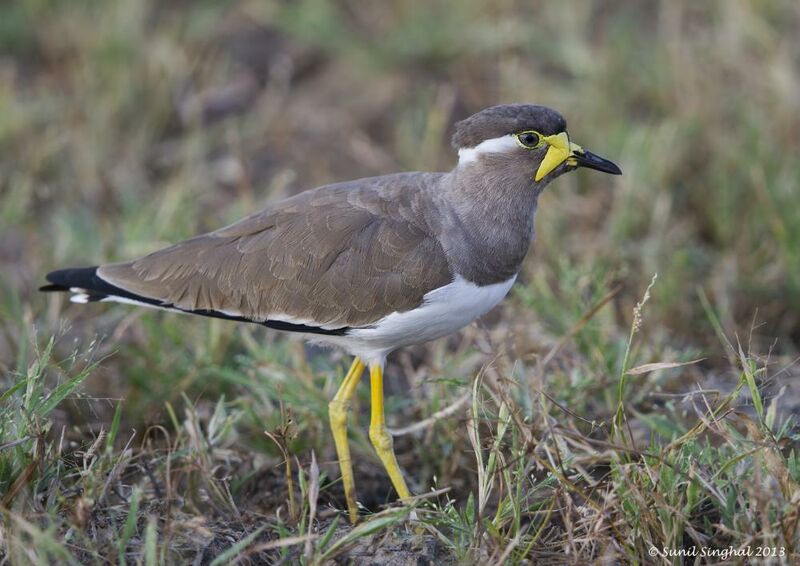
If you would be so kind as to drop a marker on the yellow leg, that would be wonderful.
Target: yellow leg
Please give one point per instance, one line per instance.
(380, 438)
(337, 413)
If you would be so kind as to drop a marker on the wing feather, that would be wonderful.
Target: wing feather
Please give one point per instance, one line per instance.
(341, 255)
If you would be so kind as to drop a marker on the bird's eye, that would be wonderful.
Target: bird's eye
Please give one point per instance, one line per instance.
(529, 140)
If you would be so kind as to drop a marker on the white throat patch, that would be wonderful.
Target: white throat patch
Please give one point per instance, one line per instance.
(494, 145)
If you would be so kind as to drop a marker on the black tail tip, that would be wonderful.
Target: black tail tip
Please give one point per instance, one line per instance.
(65, 279)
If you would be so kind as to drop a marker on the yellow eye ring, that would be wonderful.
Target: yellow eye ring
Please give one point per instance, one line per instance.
(529, 139)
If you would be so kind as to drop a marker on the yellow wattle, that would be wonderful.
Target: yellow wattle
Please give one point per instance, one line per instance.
(557, 153)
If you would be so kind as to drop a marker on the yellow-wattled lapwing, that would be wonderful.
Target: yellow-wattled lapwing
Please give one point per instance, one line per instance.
(369, 265)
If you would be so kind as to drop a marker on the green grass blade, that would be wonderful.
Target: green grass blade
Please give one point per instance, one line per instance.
(151, 542)
(130, 524)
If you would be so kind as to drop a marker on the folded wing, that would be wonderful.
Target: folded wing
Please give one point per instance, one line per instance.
(340, 256)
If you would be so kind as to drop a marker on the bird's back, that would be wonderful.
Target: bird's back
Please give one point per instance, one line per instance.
(342, 255)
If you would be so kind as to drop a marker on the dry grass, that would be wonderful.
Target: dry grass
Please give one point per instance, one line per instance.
(578, 423)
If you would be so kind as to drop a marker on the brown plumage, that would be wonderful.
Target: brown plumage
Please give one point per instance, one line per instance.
(340, 255)
(505, 119)
(347, 255)
(369, 265)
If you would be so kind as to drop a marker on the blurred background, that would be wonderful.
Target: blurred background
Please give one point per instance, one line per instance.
(125, 126)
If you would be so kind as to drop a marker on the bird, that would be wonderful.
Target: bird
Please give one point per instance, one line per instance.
(369, 265)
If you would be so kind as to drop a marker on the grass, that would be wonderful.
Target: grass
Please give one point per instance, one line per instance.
(580, 420)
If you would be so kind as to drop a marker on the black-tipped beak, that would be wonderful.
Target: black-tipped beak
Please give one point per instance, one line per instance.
(583, 158)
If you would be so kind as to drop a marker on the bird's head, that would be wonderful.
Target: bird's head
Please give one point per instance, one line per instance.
(525, 136)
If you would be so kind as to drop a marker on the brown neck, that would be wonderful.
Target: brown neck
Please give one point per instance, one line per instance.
(487, 212)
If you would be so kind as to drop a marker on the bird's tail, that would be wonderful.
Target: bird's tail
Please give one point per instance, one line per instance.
(87, 287)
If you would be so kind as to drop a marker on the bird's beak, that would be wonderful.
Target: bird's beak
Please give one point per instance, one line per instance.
(561, 150)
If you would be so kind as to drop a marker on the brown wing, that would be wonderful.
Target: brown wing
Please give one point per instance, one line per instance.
(342, 255)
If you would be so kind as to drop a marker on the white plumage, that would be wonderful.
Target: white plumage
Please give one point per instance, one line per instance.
(493, 145)
(443, 311)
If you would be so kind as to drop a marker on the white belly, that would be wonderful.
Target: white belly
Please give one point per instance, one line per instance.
(443, 311)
